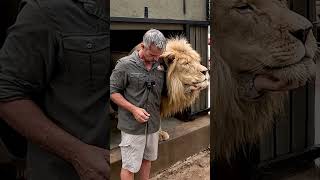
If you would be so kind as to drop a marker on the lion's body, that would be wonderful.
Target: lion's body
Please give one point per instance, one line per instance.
(255, 37)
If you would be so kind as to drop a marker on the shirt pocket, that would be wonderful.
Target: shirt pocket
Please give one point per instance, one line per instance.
(86, 59)
(137, 80)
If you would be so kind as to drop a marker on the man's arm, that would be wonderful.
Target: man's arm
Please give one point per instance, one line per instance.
(140, 114)
(28, 119)
(118, 83)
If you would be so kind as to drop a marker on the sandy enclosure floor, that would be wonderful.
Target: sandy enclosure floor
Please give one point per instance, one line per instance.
(193, 168)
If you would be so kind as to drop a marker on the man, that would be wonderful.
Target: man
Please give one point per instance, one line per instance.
(53, 70)
(136, 84)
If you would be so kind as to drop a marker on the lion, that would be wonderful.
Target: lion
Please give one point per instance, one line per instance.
(185, 77)
(255, 37)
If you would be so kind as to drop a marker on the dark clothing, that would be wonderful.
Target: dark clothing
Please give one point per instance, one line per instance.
(57, 53)
(131, 78)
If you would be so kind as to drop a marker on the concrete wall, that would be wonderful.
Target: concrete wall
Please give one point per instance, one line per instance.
(159, 9)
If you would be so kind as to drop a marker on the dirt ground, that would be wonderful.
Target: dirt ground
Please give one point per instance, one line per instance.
(193, 168)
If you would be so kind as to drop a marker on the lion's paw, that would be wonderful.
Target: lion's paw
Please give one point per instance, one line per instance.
(163, 136)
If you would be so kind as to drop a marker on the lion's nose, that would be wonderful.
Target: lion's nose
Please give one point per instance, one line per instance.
(301, 34)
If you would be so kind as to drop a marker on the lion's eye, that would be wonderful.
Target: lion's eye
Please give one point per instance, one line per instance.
(244, 8)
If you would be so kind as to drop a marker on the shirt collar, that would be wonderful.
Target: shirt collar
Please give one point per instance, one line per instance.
(139, 62)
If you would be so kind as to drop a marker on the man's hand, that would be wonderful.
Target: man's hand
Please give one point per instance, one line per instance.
(89, 161)
(269, 83)
(92, 162)
(141, 115)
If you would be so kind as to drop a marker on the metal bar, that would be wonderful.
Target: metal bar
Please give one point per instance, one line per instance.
(208, 9)
(184, 6)
(160, 21)
(308, 154)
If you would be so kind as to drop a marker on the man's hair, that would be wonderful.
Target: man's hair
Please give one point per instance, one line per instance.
(154, 36)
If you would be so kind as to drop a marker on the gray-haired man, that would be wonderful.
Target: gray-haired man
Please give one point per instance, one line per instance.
(136, 85)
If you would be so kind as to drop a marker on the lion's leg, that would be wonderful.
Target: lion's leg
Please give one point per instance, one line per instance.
(163, 136)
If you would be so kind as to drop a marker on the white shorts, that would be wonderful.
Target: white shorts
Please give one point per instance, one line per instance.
(134, 149)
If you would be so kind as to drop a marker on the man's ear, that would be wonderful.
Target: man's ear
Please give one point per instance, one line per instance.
(168, 58)
(141, 46)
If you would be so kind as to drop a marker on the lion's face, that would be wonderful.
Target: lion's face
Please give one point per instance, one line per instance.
(254, 37)
(264, 37)
(184, 65)
(186, 77)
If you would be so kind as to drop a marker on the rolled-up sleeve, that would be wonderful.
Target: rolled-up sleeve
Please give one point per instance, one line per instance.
(118, 78)
(26, 57)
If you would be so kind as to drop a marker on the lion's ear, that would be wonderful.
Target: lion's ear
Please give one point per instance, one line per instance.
(167, 57)
(136, 48)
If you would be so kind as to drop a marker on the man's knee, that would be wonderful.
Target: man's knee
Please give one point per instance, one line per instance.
(145, 161)
(126, 172)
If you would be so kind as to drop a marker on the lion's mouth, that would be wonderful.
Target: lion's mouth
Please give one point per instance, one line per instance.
(196, 86)
(303, 60)
(197, 82)
(301, 71)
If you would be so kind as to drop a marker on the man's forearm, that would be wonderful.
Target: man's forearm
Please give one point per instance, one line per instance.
(122, 102)
(28, 119)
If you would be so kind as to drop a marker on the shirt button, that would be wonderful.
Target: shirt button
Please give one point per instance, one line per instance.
(89, 45)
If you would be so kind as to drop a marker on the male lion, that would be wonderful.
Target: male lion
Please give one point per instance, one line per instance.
(255, 38)
(185, 77)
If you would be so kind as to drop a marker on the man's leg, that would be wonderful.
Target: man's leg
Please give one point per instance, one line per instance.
(132, 149)
(126, 175)
(145, 169)
(150, 154)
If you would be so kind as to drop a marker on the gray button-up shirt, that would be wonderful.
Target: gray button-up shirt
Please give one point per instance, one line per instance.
(131, 79)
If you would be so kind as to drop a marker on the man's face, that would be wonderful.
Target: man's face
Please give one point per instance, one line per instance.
(151, 53)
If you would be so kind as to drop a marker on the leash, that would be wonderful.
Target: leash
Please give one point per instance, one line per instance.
(149, 84)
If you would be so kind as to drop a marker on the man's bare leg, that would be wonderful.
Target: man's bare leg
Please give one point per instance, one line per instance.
(144, 172)
(126, 175)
